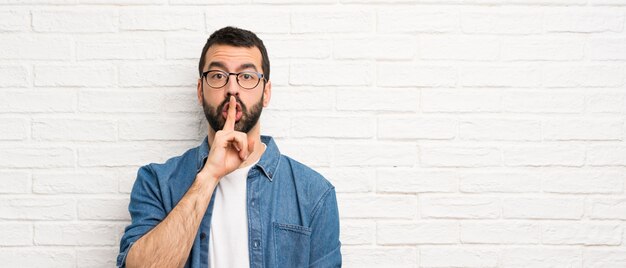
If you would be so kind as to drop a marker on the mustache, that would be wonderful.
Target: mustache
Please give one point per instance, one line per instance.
(227, 100)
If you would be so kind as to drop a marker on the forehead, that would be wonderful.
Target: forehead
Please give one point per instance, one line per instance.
(233, 57)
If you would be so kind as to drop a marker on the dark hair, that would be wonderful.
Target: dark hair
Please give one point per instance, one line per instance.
(236, 37)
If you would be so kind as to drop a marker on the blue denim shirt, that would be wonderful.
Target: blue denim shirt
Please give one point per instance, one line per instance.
(293, 219)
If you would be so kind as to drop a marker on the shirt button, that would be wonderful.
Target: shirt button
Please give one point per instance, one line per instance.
(253, 203)
(255, 244)
(202, 236)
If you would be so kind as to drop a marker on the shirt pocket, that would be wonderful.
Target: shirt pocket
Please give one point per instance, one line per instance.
(292, 244)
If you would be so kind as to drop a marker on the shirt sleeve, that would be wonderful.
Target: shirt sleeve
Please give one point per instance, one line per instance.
(146, 211)
(325, 244)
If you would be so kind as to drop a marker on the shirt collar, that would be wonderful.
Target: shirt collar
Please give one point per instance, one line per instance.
(268, 162)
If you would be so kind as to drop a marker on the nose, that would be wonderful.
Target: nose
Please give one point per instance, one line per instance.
(232, 88)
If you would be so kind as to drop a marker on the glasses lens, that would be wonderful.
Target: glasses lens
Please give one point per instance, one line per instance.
(216, 79)
(248, 80)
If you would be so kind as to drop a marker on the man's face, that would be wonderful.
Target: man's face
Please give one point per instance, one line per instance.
(250, 102)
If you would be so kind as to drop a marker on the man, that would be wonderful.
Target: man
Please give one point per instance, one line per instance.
(233, 201)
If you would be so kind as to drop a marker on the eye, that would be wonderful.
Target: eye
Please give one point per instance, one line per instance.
(247, 76)
(217, 76)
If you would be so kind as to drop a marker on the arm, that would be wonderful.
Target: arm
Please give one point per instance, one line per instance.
(325, 244)
(172, 239)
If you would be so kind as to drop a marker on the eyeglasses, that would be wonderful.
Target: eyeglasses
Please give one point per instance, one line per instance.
(217, 79)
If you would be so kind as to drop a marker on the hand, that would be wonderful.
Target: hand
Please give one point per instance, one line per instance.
(229, 148)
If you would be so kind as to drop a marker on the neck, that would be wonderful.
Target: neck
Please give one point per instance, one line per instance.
(254, 136)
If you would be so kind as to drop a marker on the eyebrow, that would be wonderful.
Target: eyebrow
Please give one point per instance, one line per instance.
(220, 64)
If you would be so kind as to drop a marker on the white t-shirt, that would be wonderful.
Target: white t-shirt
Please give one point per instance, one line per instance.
(228, 241)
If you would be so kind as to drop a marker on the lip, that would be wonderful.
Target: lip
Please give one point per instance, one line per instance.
(238, 113)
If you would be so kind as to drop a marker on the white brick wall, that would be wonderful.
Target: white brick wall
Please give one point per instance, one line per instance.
(458, 133)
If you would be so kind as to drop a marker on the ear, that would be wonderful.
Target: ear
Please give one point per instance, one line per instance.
(267, 94)
(200, 97)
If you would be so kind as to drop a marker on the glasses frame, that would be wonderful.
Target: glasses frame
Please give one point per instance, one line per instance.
(228, 74)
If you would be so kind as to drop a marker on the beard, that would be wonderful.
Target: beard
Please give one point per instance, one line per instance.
(248, 119)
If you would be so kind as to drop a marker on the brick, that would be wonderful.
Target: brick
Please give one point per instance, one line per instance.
(395, 127)
(122, 2)
(606, 155)
(106, 209)
(48, 101)
(543, 102)
(96, 257)
(75, 234)
(552, 48)
(281, 71)
(464, 207)
(606, 102)
(301, 99)
(413, 21)
(38, 257)
(380, 48)
(457, 156)
(161, 128)
(542, 208)
(598, 257)
(31, 47)
(335, 127)
(14, 76)
(92, 75)
(607, 48)
(14, 20)
(113, 101)
(403, 180)
(316, 154)
(500, 76)
(608, 208)
(14, 182)
(544, 155)
(466, 100)
(455, 256)
(119, 49)
(332, 22)
(182, 100)
(607, 2)
(411, 75)
(357, 232)
(560, 76)
(131, 154)
(185, 47)
(16, 234)
(126, 178)
(75, 21)
(584, 181)
(149, 75)
(583, 21)
(295, 48)
(293, 2)
(13, 128)
(375, 154)
(481, 232)
(379, 257)
(379, 99)
(73, 129)
(247, 18)
(327, 74)
(74, 182)
(500, 129)
(541, 257)
(421, 232)
(500, 182)
(351, 179)
(377, 206)
(583, 129)
(458, 47)
(275, 124)
(36, 157)
(159, 19)
(500, 22)
(581, 234)
(37, 208)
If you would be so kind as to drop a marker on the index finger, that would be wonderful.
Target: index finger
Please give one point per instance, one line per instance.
(232, 112)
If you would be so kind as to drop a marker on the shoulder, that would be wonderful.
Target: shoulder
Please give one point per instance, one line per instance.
(306, 175)
(162, 172)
